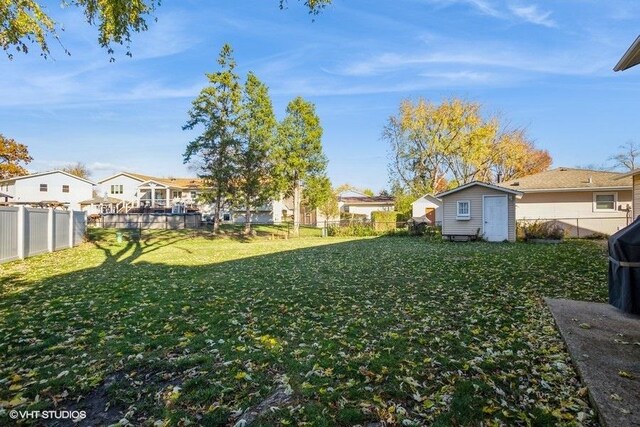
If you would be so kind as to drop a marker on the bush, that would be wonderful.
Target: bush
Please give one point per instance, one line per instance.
(352, 230)
(541, 230)
(384, 220)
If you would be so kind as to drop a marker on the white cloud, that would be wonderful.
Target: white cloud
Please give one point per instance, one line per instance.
(533, 15)
(522, 12)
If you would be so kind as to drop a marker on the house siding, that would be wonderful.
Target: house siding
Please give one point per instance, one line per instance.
(27, 189)
(129, 187)
(636, 195)
(452, 225)
(574, 211)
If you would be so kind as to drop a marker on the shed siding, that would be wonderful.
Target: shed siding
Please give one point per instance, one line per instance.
(451, 225)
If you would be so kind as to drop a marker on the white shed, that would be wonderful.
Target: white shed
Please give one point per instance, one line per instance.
(480, 209)
(427, 208)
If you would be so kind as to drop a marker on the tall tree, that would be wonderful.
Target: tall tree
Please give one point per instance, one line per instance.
(78, 169)
(216, 111)
(13, 157)
(257, 131)
(319, 194)
(515, 156)
(25, 22)
(628, 157)
(298, 152)
(435, 146)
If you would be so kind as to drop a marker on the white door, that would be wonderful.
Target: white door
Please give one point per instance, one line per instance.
(496, 218)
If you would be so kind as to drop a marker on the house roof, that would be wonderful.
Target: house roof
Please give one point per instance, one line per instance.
(366, 200)
(631, 173)
(564, 179)
(429, 197)
(184, 183)
(482, 184)
(630, 58)
(33, 175)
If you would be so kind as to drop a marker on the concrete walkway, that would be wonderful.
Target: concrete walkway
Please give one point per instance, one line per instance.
(604, 344)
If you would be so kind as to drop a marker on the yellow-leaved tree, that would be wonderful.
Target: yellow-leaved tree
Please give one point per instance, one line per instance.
(435, 146)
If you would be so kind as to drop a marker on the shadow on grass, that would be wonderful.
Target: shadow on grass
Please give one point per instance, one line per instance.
(351, 328)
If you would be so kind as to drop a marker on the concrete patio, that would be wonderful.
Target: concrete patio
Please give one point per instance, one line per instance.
(604, 344)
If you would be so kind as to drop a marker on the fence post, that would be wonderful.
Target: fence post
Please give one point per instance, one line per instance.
(22, 232)
(50, 230)
(71, 212)
(578, 227)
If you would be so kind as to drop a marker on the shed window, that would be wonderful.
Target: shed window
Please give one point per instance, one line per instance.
(65, 188)
(604, 201)
(463, 209)
(44, 187)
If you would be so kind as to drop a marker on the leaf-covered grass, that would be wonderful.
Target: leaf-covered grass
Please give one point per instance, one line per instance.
(177, 328)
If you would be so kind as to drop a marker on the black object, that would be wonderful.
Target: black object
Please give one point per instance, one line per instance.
(624, 268)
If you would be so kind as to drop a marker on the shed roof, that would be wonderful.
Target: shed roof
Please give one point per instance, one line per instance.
(482, 184)
(564, 179)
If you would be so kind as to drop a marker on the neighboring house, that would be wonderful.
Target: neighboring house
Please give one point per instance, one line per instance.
(357, 203)
(132, 192)
(6, 197)
(479, 209)
(582, 201)
(149, 192)
(54, 188)
(427, 208)
(634, 178)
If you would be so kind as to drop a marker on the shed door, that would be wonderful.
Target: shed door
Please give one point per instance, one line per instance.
(496, 218)
(430, 213)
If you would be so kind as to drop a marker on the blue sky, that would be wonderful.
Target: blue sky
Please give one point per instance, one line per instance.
(544, 65)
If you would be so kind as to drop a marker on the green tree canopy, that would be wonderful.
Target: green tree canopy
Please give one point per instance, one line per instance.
(257, 131)
(298, 152)
(216, 111)
(25, 22)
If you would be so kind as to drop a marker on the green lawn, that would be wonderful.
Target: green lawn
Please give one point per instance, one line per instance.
(180, 329)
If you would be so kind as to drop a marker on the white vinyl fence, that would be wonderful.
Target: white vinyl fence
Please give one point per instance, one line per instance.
(29, 231)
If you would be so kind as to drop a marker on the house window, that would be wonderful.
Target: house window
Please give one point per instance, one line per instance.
(176, 194)
(226, 217)
(44, 187)
(463, 210)
(65, 188)
(117, 189)
(193, 195)
(604, 202)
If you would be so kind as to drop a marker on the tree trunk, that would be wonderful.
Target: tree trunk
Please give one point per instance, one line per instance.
(296, 207)
(216, 215)
(247, 219)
